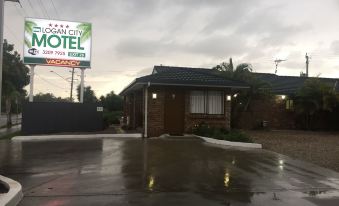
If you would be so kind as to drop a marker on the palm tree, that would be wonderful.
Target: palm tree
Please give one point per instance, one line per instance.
(313, 97)
(29, 30)
(86, 31)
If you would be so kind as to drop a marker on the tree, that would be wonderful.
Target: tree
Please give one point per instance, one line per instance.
(313, 97)
(15, 78)
(49, 97)
(89, 95)
(243, 72)
(112, 102)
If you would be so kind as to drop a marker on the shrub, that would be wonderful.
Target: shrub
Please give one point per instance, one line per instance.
(220, 133)
(111, 117)
(237, 136)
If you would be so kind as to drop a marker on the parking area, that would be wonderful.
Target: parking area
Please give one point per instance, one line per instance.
(161, 172)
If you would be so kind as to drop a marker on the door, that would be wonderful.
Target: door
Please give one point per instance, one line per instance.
(174, 112)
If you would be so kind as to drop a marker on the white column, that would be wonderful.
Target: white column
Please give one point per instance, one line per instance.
(146, 111)
(82, 85)
(31, 83)
(1, 43)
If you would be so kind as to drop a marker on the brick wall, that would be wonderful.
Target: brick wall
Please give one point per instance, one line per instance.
(156, 112)
(270, 110)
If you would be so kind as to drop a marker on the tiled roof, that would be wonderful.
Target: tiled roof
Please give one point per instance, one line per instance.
(184, 76)
(290, 84)
(189, 76)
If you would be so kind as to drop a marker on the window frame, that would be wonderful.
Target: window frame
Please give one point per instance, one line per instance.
(206, 102)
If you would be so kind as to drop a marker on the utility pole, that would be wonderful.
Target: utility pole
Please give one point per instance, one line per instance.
(1, 44)
(2, 16)
(307, 63)
(72, 84)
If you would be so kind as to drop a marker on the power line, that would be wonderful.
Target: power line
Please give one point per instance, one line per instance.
(18, 10)
(32, 8)
(45, 80)
(43, 8)
(56, 11)
(12, 32)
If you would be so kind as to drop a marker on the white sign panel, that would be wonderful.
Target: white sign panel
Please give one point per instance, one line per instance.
(57, 43)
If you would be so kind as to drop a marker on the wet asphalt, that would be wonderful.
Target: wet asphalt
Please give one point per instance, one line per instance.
(161, 172)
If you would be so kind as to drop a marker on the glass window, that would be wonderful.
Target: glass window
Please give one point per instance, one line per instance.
(197, 100)
(215, 102)
(289, 104)
(210, 102)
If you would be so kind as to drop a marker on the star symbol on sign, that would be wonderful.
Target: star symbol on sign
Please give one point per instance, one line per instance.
(56, 25)
(62, 26)
(67, 26)
(50, 25)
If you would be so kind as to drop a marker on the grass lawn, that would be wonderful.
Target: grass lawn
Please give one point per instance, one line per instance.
(321, 148)
(10, 136)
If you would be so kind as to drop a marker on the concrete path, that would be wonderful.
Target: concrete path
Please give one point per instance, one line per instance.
(161, 172)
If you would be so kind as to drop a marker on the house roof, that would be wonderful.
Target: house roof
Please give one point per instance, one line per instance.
(187, 76)
(290, 84)
(184, 76)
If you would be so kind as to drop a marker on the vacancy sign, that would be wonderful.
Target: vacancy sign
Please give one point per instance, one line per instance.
(57, 43)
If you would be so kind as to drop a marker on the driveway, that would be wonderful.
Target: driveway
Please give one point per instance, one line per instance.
(161, 172)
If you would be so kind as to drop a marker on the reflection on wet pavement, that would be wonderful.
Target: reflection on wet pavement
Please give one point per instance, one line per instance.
(161, 172)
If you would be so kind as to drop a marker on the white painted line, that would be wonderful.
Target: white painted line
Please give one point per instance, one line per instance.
(228, 143)
(74, 137)
(14, 195)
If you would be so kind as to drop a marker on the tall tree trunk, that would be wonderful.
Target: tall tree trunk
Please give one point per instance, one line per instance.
(8, 111)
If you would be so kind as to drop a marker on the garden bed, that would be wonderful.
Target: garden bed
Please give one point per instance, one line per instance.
(221, 136)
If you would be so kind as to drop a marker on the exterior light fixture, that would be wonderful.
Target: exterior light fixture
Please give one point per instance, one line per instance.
(235, 95)
(226, 179)
(154, 95)
(283, 97)
(228, 97)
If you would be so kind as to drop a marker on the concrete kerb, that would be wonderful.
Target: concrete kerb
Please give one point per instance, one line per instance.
(14, 195)
(228, 143)
(74, 137)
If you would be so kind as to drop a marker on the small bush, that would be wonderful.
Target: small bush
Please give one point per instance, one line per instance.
(237, 136)
(111, 117)
(220, 133)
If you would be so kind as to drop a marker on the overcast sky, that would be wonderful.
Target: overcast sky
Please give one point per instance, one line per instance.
(131, 36)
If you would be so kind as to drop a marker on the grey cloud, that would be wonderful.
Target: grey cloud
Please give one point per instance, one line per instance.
(214, 46)
(335, 47)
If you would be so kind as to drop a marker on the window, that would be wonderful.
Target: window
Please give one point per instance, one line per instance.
(207, 102)
(197, 100)
(289, 104)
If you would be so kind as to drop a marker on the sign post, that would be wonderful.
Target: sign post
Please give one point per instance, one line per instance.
(57, 43)
(82, 85)
(31, 83)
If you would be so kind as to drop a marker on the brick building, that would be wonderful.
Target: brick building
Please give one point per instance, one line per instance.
(172, 100)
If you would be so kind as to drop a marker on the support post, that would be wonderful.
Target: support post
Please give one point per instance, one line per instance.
(82, 85)
(71, 96)
(1, 44)
(31, 83)
(146, 111)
